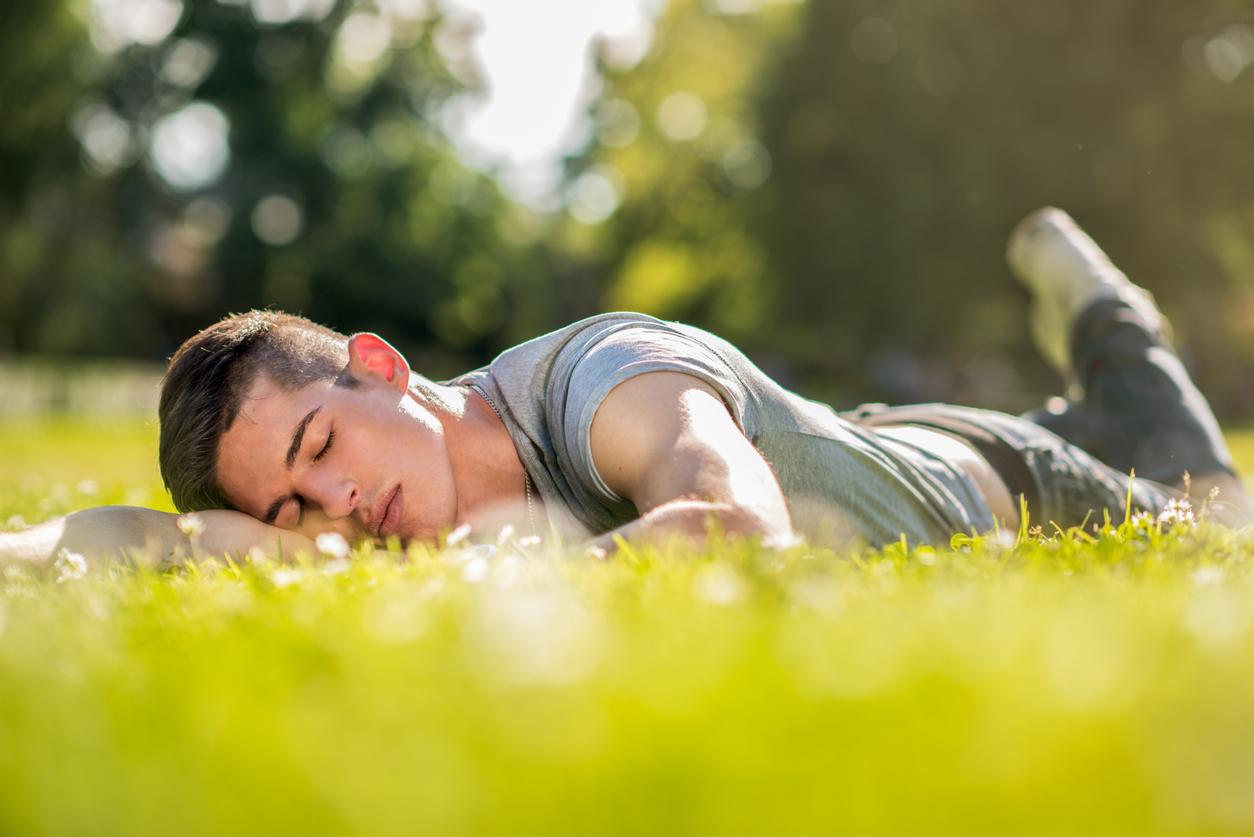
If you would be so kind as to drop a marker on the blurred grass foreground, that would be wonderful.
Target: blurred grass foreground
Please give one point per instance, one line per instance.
(1061, 685)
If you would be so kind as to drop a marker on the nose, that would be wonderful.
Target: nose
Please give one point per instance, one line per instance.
(333, 498)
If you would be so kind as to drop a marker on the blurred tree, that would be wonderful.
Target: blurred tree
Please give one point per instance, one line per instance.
(830, 184)
(910, 139)
(269, 153)
(678, 142)
(900, 144)
(39, 171)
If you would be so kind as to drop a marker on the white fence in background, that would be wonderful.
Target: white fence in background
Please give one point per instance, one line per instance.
(36, 387)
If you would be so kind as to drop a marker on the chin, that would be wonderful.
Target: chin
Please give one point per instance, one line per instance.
(411, 537)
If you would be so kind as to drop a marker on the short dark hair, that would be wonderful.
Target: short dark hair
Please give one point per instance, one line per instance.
(211, 375)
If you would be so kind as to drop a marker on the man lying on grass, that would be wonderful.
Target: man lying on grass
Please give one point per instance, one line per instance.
(622, 426)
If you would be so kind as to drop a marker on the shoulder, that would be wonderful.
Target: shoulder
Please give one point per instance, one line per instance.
(646, 422)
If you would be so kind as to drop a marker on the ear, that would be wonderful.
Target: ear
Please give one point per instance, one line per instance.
(370, 354)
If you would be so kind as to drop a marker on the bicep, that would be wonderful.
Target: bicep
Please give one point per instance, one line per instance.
(662, 436)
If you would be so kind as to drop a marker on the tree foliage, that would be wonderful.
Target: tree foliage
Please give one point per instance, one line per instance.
(829, 183)
(905, 141)
(341, 199)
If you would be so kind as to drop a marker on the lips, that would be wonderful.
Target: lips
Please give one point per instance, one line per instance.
(387, 513)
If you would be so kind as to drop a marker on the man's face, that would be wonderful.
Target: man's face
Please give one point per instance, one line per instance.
(366, 462)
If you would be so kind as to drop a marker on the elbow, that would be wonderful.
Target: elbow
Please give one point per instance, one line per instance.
(773, 529)
(702, 520)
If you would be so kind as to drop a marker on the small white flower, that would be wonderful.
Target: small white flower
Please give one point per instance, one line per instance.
(475, 570)
(529, 541)
(480, 551)
(88, 488)
(257, 555)
(191, 524)
(1178, 514)
(16, 523)
(333, 544)
(507, 532)
(285, 578)
(1207, 576)
(70, 566)
(458, 535)
(719, 584)
(336, 566)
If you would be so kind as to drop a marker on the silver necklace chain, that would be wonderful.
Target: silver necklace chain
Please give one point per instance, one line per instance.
(531, 512)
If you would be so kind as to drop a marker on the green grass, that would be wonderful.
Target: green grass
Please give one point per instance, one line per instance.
(1096, 686)
(50, 467)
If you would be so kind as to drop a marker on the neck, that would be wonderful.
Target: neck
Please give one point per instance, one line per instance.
(487, 472)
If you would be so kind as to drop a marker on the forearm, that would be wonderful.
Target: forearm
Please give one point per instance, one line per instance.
(695, 521)
(113, 534)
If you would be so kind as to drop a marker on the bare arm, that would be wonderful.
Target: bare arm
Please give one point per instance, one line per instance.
(665, 441)
(111, 534)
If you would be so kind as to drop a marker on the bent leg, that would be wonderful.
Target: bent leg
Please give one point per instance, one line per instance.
(1146, 414)
(1140, 410)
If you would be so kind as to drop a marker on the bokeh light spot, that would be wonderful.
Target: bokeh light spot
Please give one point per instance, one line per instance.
(415, 10)
(874, 40)
(939, 72)
(109, 142)
(735, 7)
(1194, 53)
(596, 195)
(747, 164)
(345, 150)
(119, 23)
(452, 184)
(277, 54)
(206, 220)
(188, 61)
(682, 116)
(190, 148)
(617, 123)
(394, 140)
(364, 37)
(1229, 54)
(277, 12)
(277, 219)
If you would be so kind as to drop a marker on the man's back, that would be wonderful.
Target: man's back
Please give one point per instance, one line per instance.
(834, 474)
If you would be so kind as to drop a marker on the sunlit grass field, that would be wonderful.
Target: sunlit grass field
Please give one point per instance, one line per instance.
(1098, 685)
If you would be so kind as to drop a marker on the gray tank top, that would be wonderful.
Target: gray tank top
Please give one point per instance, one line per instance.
(841, 481)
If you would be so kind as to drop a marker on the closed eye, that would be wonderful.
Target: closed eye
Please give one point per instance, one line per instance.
(276, 509)
(327, 447)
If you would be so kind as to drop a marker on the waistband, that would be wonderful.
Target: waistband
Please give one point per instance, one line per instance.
(1004, 458)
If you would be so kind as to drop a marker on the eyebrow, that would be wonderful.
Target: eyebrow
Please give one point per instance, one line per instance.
(298, 437)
